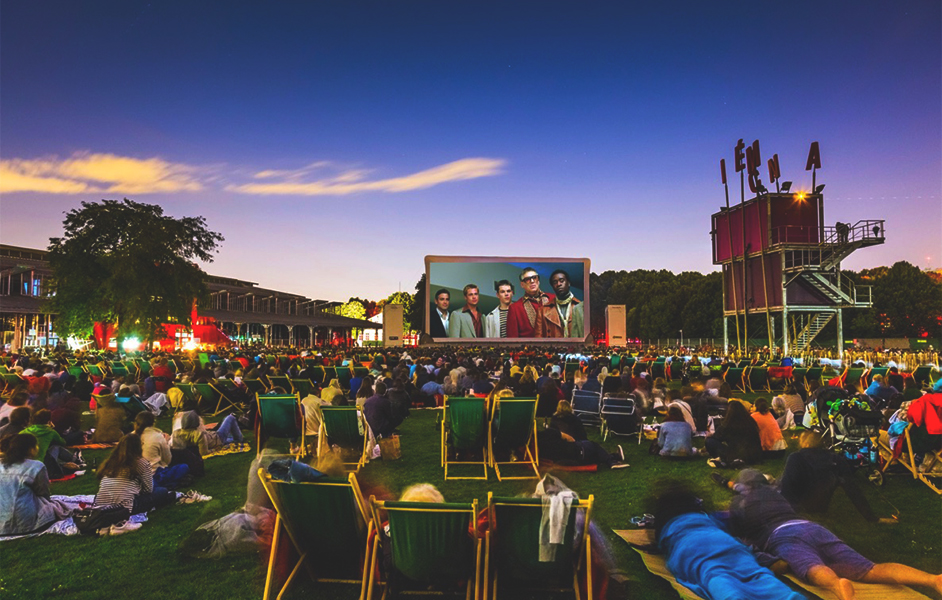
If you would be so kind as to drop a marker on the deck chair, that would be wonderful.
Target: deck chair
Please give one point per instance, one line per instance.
(464, 430)
(736, 378)
(189, 394)
(868, 378)
(118, 369)
(344, 374)
(758, 379)
(659, 368)
(813, 374)
(280, 417)
(131, 405)
(144, 367)
(513, 425)
(618, 417)
(279, 381)
(675, 370)
(360, 371)
(916, 440)
(255, 386)
(329, 525)
(429, 544)
(94, 370)
(512, 548)
(923, 375)
(346, 427)
(212, 393)
(852, 376)
(586, 406)
(329, 373)
(571, 369)
(11, 381)
(798, 375)
(302, 387)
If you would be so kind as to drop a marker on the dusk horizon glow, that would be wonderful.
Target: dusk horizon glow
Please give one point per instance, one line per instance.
(336, 145)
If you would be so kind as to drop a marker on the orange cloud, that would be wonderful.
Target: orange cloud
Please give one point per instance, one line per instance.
(354, 180)
(98, 173)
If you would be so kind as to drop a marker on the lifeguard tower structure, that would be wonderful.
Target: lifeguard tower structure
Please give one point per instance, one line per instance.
(782, 264)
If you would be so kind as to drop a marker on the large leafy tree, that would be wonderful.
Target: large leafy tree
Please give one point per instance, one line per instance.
(128, 263)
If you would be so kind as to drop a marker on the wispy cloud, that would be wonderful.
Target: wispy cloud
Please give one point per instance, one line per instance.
(97, 173)
(353, 181)
(86, 172)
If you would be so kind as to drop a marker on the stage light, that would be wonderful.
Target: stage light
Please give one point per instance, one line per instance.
(819, 189)
(131, 344)
(190, 346)
(786, 185)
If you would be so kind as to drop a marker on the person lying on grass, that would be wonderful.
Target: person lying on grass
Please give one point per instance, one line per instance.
(765, 519)
(706, 559)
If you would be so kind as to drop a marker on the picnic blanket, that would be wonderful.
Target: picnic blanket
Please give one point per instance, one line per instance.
(655, 563)
(66, 526)
(93, 446)
(229, 449)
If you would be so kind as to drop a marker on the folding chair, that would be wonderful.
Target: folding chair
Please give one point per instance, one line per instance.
(798, 375)
(118, 369)
(464, 430)
(302, 387)
(344, 374)
(280, 417)
(208, 391)
(675, 370)
(428, 543)
(852, 376)
(618, 417)
(586, 406)
(94, 370)
(360, 371)
(11, 381)
(255, 386)
(813, 374)
(868, 377)
(735, 377)
(329, 524)
(513, 425)
(512, 548)
(659, 367)
(329, 373)
(279, 381)
(907, 458)
(923, 375)
(131, 405)
(189, 394)
(346, 427)
(758, 379)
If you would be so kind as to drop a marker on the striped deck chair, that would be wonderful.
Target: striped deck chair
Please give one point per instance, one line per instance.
(464, 430)
(335, 546)
(346, 427)
(434, 545)
(513, 425)
(512, 549)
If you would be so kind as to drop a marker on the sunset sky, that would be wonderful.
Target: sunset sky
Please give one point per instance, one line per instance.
(336, 143)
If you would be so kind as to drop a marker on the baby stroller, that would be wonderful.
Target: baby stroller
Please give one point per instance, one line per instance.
(852, 423)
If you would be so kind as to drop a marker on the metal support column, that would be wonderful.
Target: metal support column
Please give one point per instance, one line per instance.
(840, 334)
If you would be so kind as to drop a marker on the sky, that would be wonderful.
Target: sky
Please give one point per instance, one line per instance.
(336, 143)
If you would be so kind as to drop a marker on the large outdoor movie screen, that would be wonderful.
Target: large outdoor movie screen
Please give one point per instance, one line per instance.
(506, 298)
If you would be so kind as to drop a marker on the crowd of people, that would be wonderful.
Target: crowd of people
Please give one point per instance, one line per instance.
(42, 418)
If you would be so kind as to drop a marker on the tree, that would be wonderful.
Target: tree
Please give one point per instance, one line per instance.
(353, 309)
(415, 314)
(406, 300)
(127, 263)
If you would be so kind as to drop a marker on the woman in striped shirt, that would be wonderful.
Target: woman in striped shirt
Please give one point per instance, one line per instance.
(128, 479)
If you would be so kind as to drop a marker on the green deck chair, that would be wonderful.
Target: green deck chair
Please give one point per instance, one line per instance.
(658, 368)
(346, 427)
(118, 369)
(675, 370)
(255, 386)
(628, 362)
(735, 377)
(94, 370)
(814, 374)
(868, 378)
(571, 369)
(189, 394)
(428, 543)
(798, 375)
(513, 425)
(360, 371)
(329, 373)
(10, 382)
(852, 376)
(302, 387)
(344, 374)
(512, 549)
(335, 546)
(280, 417)
(744, 363)
(208, 394)
(923, 375)
(758, 379)
(280, 381)
(75, 371)
(203, 359)
(464, 429)
(4, 370)
(144, 367)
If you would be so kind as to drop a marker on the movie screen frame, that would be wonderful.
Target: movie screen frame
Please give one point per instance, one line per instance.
(504, 268)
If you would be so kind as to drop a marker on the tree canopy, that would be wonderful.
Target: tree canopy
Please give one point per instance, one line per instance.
(127, 263)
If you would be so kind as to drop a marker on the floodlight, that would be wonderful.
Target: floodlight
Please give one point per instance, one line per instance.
(819, 189)
(786, 185)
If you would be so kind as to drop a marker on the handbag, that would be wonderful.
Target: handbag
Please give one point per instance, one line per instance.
(90, 520)
(389, 448)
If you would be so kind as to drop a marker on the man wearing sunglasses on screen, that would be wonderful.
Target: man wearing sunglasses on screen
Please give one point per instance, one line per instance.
(525, 318)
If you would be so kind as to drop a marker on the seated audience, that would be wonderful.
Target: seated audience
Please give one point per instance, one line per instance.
(773, 444)
(26, 504)
(156, 450)
(675, 437)
(736, 440)
(192, 433)
(127, 479)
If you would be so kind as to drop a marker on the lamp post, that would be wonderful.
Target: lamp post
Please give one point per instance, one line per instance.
(681, 338)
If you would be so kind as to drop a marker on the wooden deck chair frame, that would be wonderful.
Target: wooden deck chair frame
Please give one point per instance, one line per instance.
(287, 523)
(868, 376)
(923, 375)
(302, 387)
(582, 552)
(189, 394)
(469, 508)
(853, 376)
(255, 386)
(281, 381)
(260, 423)
(762, 375)
(446, 435)
(743, 372)
(323, 446)
(531, 456)
(908, 459)
(221, 397)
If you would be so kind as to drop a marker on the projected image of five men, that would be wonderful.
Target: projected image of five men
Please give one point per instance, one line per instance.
(503, 298)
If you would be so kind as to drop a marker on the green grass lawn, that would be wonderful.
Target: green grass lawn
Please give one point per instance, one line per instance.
(151, 562)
